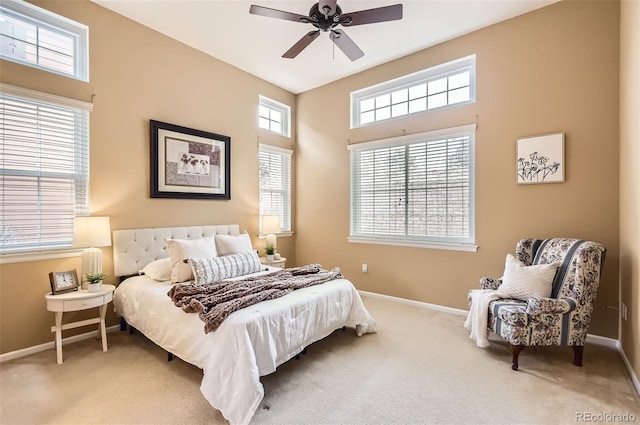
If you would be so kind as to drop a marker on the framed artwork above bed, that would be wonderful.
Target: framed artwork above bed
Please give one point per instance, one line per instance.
(188, 163)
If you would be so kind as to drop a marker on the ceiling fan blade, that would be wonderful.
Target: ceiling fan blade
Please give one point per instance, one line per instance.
(347, 45)
(301, 44)
(279, 14)
(371, 16)
(330, 4)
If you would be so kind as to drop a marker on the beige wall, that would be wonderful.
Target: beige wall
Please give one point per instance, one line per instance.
(555, 69)
(138, 75)
(630, 179)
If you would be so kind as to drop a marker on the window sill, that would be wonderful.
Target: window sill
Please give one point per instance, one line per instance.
(22, 257)
(449, 246)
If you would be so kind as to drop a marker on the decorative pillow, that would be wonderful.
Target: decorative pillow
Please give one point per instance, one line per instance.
(183, 249)
(159, 270)
(229, 245)
(523, 282)
(207, 270)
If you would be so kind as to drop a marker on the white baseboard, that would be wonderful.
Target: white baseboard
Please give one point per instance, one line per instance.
(594, 339)
(417, 303)
(51, 345)
(603, 340)
(632, 374)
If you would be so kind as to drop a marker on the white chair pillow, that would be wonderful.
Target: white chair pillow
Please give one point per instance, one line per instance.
(207, 270)
(523, 282)
(183, 249)
(229, 245)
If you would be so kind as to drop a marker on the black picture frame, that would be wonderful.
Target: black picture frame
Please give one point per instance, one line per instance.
(188, 163)
(62, 282)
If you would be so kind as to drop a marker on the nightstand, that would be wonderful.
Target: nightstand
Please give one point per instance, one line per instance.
(79, 300)
(274, 263)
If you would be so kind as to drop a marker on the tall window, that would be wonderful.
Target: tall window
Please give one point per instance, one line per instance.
(452, 83)
(44, 169)
(415, 190)
(275, 184)
(41, 39)
(274, 116)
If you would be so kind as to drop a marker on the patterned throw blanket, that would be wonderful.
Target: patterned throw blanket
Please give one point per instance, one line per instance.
(217, 300)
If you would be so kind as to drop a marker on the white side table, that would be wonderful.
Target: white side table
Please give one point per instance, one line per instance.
(275, 263)
(79, 300)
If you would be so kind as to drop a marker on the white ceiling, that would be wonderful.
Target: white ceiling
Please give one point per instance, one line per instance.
(226, 30)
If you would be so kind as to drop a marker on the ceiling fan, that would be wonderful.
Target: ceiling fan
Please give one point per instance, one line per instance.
(326, 15)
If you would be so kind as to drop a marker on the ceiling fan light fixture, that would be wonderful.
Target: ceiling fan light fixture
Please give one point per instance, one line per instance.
(321, 17)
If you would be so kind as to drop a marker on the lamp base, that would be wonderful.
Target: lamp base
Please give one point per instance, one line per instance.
(91, 264)
(272, 240)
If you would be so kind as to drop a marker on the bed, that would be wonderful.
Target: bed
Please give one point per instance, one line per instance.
(250, 343)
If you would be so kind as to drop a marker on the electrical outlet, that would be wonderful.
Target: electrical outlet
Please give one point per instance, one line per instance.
(624, 311)
(365, 268)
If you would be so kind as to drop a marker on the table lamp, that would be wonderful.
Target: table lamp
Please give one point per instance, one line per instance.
(271, 226)
(91, 233)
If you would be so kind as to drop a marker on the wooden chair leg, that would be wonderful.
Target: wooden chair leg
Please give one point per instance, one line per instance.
(515, 351)
(577, 354)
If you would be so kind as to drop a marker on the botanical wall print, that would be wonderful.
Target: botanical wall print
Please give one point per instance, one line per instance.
(540, 159)
(188, 163)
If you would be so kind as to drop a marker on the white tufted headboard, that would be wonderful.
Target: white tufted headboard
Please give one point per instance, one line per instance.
(135, 248)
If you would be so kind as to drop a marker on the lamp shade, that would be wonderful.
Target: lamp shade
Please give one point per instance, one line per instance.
(271, 224)
(91, 232)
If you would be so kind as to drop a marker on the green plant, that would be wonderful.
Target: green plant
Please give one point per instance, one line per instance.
(95, 277)
(270, 249)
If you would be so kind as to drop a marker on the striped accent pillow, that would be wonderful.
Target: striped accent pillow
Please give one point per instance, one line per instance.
(207, 270)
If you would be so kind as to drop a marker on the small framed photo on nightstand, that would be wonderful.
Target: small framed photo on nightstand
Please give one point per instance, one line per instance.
(63, 281)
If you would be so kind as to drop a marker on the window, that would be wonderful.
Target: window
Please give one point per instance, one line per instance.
(41, 39)
(452, 83)
(415, 190)
(44, 169)
(274, 116)
(275, 184)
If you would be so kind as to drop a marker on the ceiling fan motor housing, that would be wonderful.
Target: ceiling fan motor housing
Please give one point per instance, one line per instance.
(322, 22)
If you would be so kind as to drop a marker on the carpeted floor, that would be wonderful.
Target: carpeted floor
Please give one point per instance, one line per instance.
(420, 368)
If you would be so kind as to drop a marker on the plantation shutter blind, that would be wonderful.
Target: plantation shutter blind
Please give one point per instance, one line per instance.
(44, 169)
(415, 189)
(275, 184)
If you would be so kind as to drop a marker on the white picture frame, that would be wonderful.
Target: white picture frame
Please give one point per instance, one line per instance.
(540, 159)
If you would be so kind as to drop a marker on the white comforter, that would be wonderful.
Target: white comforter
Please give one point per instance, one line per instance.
(250, 343)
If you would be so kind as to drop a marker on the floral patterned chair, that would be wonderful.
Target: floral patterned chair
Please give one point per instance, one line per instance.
(563, 318)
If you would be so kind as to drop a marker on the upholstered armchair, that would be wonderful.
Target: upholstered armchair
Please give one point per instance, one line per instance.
(561, 319)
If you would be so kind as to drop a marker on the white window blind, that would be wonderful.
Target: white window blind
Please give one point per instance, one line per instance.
(275, 184)
(416, 189)
(44, 169)
(36, 37)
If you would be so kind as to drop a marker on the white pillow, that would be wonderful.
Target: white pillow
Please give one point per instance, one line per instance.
(183, 249)
(229, 245)
(523, 282)
(159, 270)
(207, 270)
